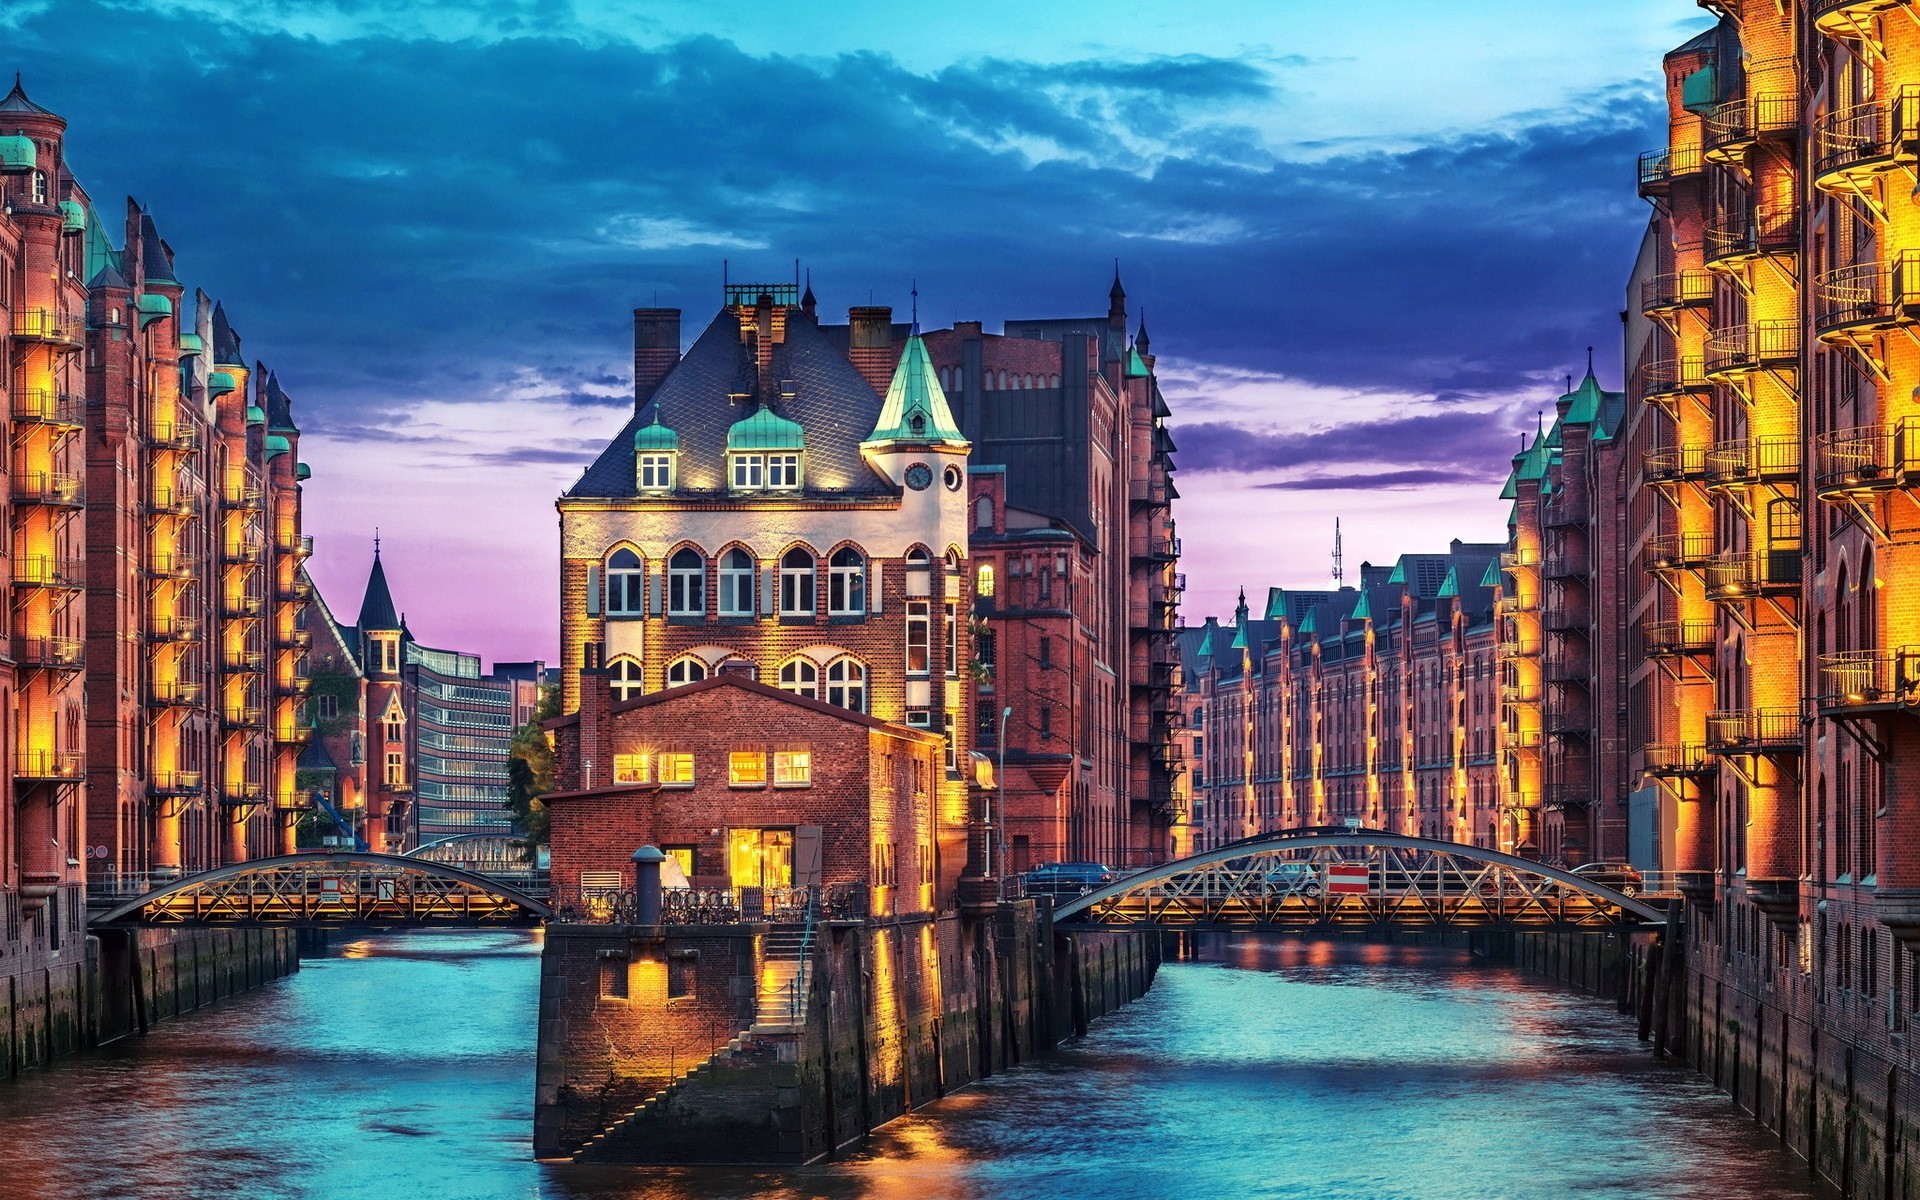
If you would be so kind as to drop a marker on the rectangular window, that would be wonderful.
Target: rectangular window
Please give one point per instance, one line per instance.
(614, 976)
(796, 586)
(793, 768)
(656, 472)
(396, 768)
(327, 706)
(749, 471)
(746, 768)
(983, 580)
(675, 769)
(631, 768)
(953, 637)
(919, 633)
(783, 470)
(1046, 654)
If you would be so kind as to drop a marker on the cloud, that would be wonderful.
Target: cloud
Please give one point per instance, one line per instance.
(1479, 444)
(1377, 480)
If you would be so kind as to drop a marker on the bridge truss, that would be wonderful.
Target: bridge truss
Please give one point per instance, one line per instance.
(334, 889)
(1358, 879)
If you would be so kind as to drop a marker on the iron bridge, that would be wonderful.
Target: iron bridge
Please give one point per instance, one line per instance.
(1312, 881)
(340, 888)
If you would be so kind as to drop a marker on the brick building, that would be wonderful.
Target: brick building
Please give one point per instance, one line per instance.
(154, 659)
(749, 786)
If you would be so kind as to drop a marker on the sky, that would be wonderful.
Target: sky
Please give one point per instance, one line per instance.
(1369, 242)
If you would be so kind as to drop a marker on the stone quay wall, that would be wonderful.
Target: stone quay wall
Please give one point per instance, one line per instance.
(650, 1051)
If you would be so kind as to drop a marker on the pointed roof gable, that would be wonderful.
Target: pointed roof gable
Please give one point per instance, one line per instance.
(156, 258)
(16, 101)
(314, 756)
(279, 407)
(915, 409)
(376, 607)
(226, 343)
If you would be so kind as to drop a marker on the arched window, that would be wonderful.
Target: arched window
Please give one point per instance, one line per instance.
(800, 677)
(686, 669)
(687, 583)
(626, 679)
(736, 583)
(918, 557)
(847, 583)
(847, 684)
(983, 513)
(796, 583)
(626, 584)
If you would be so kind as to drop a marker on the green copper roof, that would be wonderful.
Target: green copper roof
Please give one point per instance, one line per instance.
(1450, 586)
(17, 153)
(190, 345)
(302, 471)
(1136, 366)
(657, 437)
(1584, 402)
(73, 216)
(152, 307)
(1533, 463)
(765, 430)
(1399, 571)
(1492, 577)
(1363, 611)
(219, 383)
(277, 445)
(1310, 622)
(916, 406)
(255, 414)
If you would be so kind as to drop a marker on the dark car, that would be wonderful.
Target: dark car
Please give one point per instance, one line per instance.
(1621, 877)
(1067, 878)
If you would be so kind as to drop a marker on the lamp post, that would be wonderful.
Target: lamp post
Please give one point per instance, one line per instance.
(1000, 780)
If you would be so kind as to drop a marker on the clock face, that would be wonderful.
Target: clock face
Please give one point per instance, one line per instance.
(919, 475)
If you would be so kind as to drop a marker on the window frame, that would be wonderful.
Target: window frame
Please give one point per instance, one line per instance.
(808, 687)
(627, 679)
(798, 596)
(847, 583)
(627, 584)
(795, 765)
(747, 472)
(919, 637)
(690, 663)
(660, 466)
(845, 665)
(747, 769)
(686, 585)
(674, 768)
(630, 770)
(736, 580)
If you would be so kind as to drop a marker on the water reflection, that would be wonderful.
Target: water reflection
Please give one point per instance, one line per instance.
(402, 1067)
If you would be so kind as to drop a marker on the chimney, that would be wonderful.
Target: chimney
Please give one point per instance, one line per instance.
(595, 739)
(870, 344)
(656, 349)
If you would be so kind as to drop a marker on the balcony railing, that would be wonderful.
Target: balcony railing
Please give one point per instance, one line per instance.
(1753, 730)
(243, 550)
(242, 795)
(1664, 380)
(1564, 618)
(1565, 564)
(1753, 460)
(1520, 693)
(172, 435)
(1866, 296)
(1523, 739)
(1865, 459)
(1862, 682)
(1562, 796)
(302, 545)
(174, 629)
(41, 407)
(1512, 645)
(173, 783)
(1673, 760)
(1671, 639)
(1567, 668)
(1674, 464)
(243, 660)
(242, 495)
(1853, 144)
(297, 590)
(1848, 18)
(50, 653)
(1571, 720)
(171, 565)
(1738, 576)
(49, 765)
(50, 326)
(1676, 290)
(1517, 559)
(1660, 168)
(1738, 348)
(1678, 551)
(52, 488)
(241, 716)
(1742, 233)
(174, 693)
(172, 500)
(48, 571)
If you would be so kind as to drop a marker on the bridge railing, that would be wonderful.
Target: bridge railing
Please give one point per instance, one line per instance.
(711, 906)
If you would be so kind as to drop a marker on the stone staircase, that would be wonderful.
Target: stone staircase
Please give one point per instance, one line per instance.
(742, 1041)
(786, 970)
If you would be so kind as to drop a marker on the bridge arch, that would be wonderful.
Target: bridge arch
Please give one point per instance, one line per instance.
(336, 888)
(1412, 881)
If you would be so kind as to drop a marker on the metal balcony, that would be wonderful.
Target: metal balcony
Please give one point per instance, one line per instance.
(240, 716)
(50, 653)
(1562, 796)
(1865, 459)
(242, 551)
(172, 501)
(1565, 564)
(48, 571)
(243, 795)
(241, 606)
(1738, 235)
(1569, 721)
(49, 327)
(1567, 668)
(50, 489)
(173, 783)
(1523, 739)
(1848, 18)
(243, 660)
(1679, 551)
(1565, 618)
(174, 629)
(173, 693)
(1754, 731)
(1736, 576)
(1665, 380)
(1738, 349)
(1866, 297)
(48, 766)
(1661, 169)
(1677, 760)
(1852, 145)
(1674, 639)
(172, 435)
(1519, 693)
(1676, 290)
(1753, 460)
(170, 566)
(1675, 464)
(41, 407)
(242, 495)
(1857, 683)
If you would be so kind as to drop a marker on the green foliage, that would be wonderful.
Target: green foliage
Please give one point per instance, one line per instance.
(343, 686)
(530, 771)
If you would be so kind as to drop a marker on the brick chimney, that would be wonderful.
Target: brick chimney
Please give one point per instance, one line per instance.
(656, 349)
(870, 344)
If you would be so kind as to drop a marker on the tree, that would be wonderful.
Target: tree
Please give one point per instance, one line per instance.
(530, 771)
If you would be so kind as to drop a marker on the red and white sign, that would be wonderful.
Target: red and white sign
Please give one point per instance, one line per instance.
(330, 889)
(1347, 879)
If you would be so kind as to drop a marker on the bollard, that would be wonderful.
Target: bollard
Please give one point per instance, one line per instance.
(646, 884)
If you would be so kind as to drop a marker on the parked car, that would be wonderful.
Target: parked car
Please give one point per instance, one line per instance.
(1292, 879)
(1067, 878)
(1621, 877)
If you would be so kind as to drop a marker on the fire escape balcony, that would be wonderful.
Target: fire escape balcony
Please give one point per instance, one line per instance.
(1523, 739)
(1739, 235)
(1859, 683)
(1676, 290)
(49, 571)
(1753, 460)
(1866, 297)
(294, 733)
(1563, 617)
(1676, 639)
(49, 327)
(1852, 145)
(1514, 645)
(1664, 381)
(36, 406)
(173, 693)
(242, 495)
(1679, 551)
(168, 500)
(1563, 796)
(298, 685)
(170, 566)
(172, 435)
(1759, 345)
(50, 653)
(242, 716)
(1512, 560)
(1164, 548)
(1737, 575)
(242, 605)
(1519, 693)
(1848, 18)
(1848, 463)
(300, 638)
(51, 489)
(245, 659)
(1677, 760)
(1569, 720)
(239, 551)
(1661, 169)
(1675, 464)
(48, 766)
(1565, 564)
(243, 795)
(1727, 131)
(173, 783)
(174, 629)
(1566, 668)
(301, 546)
(1754, 731)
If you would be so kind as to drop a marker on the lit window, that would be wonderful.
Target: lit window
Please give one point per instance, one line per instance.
(675, 769)
(919, 635)
(983, 580)
(846, 583)
(749, 471)
(626, 679)
(783, 470)
(626, 584)
(656, 472)
(631, 768)
(39, 187)
(687, 583)
(796, 583)
(801, 678)
(685, 670)
(396, 768)
(847, 684)
(746, 768)
(793, 768)
(736, 583)
(395, 727)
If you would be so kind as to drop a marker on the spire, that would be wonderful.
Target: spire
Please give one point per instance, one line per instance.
(226, 343)
(1117, 301)
(16, 101)
(1140, 339)
(1589, 363)
(1117, 294)
(1240, 641)
(916, 406)
(376, 608)
(807, 303)
(279, 406)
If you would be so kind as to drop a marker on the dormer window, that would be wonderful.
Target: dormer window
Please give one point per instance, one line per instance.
(783, 470)
(749, 472)
(769, 472)
(656, 472)
(763, 452)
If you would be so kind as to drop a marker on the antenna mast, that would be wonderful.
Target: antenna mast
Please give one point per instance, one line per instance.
(1339, 572)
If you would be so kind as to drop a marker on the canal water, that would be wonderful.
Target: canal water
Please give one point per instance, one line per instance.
(402, 1067)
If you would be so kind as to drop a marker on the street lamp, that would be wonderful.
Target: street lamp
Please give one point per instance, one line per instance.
(1001, 781)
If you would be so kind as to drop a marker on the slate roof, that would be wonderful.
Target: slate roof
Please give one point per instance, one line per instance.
(16, 101)
(279, 405)
(831, 402)
(376, 608)
(156, 260)
(226, 343)
(314, 756)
